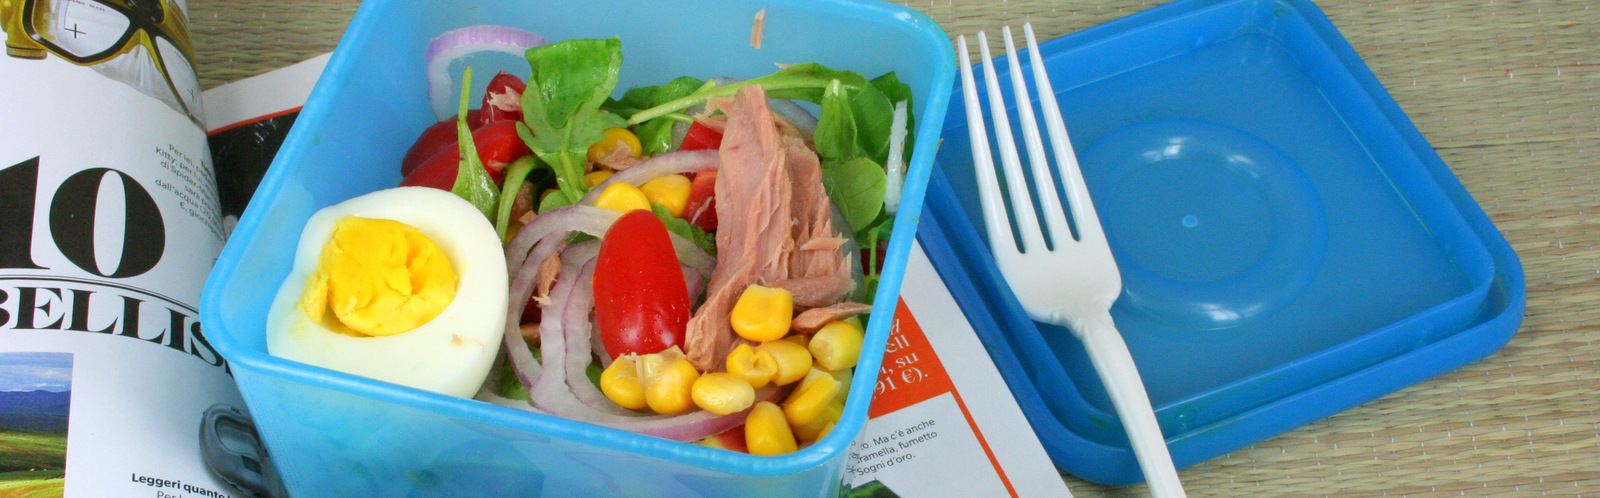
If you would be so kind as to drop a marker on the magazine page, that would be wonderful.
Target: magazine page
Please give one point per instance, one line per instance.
(940, 408)
(249, 119)
(111, 224)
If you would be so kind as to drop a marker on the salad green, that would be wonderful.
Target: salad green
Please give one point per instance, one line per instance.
(472, 182)
(561, 109)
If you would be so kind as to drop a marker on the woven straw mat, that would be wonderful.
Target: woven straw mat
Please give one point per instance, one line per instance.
(1505, 90)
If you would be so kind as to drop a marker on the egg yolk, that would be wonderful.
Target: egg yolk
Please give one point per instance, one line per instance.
(378, 278)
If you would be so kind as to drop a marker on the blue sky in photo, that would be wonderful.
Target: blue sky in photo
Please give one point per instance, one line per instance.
(36, 372)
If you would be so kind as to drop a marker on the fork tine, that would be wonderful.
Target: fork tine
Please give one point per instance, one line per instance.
(1077, 191)
(1044, 183)
(1016, 184)
(994, 211)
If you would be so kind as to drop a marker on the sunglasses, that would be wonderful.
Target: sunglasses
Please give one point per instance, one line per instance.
(88, 32)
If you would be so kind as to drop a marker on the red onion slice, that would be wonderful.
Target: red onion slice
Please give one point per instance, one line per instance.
(458, 43)
(552, 383)
(557, 221)
(546, 234)
(577, 330)
(671, 163)
(521, 359)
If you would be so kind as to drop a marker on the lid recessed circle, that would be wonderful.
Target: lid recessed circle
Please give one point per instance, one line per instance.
(1210, 225)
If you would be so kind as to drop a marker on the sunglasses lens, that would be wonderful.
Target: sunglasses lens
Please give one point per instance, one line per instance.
(79, 27)
(181, 72)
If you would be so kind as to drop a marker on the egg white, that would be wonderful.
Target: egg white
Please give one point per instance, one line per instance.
(450, 354)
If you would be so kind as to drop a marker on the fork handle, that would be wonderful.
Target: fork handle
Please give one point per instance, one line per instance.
(1111, 359)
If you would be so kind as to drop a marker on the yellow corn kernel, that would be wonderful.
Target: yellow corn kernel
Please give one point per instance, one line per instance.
(805, 383)
(670, 191)
(845, 377)
(811, 398)
(766, 431)
(622, 197)
(802, 339)
(811, 432)
(762, 313)
(826, 428)
(723, 393)
(620, 383)
(668, 381)
(756, 367)
(793, 361)
(593, 178)
(613, 137)
(837, 346)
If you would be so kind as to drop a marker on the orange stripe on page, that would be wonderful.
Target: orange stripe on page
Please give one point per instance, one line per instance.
(912, 373)
(985, 444)
(253, 120)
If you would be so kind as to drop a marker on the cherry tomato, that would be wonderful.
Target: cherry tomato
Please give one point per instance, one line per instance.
(700, 137)
(641, 303)
(498, 145)
(505, 89)
(701, 208)
(436, 138)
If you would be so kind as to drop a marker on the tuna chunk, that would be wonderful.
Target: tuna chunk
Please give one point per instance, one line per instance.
(813, 319)
(816, 240)
(754, 241)
(814, 292)
(774, 226)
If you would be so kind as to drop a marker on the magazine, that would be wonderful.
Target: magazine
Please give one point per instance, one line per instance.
(111, 222)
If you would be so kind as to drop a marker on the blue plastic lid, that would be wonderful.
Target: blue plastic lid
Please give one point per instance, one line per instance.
(1290, 246)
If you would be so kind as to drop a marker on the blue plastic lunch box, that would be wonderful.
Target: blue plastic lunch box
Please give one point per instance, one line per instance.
(1290, 245)
(329, 433)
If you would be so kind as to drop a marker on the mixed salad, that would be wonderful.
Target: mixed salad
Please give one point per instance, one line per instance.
(683, 261)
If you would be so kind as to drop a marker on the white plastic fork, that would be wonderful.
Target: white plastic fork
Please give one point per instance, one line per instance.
(1071, 282)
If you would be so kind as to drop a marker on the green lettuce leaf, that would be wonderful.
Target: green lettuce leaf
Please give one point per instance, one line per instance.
(705, 241)
(472, 181)
(515, 174)
(835, 136)
(857, 187)
(874, 114)
(561, 108)
(655, 135)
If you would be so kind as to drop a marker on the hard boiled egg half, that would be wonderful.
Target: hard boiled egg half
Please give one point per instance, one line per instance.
(405, 285)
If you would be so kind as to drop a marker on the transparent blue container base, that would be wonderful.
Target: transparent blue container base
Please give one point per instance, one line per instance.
(335, 434)
(1281, 228)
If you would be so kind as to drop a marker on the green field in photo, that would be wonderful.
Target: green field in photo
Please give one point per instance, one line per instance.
(32, 464)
